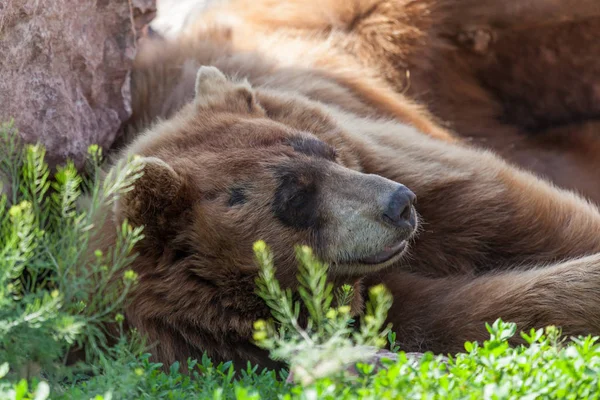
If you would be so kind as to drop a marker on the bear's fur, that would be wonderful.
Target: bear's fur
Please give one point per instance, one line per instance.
(521, 79)
(305, 155)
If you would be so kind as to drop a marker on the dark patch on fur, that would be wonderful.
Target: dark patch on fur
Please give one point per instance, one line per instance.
(180, 254)
(237, 197)
(313, 147)
(296, 197)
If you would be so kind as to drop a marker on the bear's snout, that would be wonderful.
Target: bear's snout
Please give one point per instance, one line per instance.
(400, 211)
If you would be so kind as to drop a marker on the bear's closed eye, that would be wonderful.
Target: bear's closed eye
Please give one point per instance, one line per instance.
(237, 197)
(295, 200)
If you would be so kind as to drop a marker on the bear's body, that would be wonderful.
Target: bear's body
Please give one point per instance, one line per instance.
(521, 80)
(304, 156)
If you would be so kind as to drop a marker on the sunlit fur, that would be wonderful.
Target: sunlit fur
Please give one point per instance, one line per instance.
(516, 77)
(490, 245)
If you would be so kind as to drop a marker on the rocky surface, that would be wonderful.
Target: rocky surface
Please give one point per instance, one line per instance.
(329, 366)
(64, 70)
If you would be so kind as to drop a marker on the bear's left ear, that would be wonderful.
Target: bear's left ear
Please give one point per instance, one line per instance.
(156, 195)
(214, 89)
(210, 80)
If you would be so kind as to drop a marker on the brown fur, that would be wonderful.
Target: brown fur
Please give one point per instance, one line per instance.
(494, 241)
(503, 75)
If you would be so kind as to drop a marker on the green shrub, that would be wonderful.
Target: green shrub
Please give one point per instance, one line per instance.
(57, 294)
(329, 342)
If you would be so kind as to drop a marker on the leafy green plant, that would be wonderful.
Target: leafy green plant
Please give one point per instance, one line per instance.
(56, 293)
(541, 369)
(327, 342)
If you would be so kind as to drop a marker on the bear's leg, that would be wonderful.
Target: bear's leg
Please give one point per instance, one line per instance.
(441, 314)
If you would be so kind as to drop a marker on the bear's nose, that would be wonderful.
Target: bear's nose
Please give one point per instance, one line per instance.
(400, 209)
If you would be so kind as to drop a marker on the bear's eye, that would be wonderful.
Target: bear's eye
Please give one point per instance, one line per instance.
(296, 202)
(299, 199)
(236, 197)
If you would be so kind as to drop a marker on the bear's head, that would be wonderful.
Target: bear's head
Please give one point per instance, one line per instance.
(234, 166)
(222, 174)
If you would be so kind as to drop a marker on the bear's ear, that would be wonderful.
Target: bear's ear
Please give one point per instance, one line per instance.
(209, 80)
(214, 89)
(155, 195)
(246, 98)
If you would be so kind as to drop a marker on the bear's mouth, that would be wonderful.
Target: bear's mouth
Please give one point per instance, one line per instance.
(386, 255)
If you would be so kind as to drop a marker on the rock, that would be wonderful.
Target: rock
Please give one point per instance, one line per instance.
(375, 357)
(64, 70)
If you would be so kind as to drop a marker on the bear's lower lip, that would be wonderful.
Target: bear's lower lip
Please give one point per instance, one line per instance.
(387, 254)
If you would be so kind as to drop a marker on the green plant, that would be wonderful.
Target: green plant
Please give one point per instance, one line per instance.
(56, 293)
(328, 342)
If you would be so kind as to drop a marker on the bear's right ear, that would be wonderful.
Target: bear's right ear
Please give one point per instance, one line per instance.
(154, 195)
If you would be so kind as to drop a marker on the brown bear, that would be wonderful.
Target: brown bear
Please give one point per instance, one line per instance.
(521, 79)
(239, 147)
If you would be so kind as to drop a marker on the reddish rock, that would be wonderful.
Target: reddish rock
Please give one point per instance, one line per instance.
(64, 70)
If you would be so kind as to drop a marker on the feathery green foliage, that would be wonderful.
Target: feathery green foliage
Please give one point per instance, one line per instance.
(56, 294)
(328, 342)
